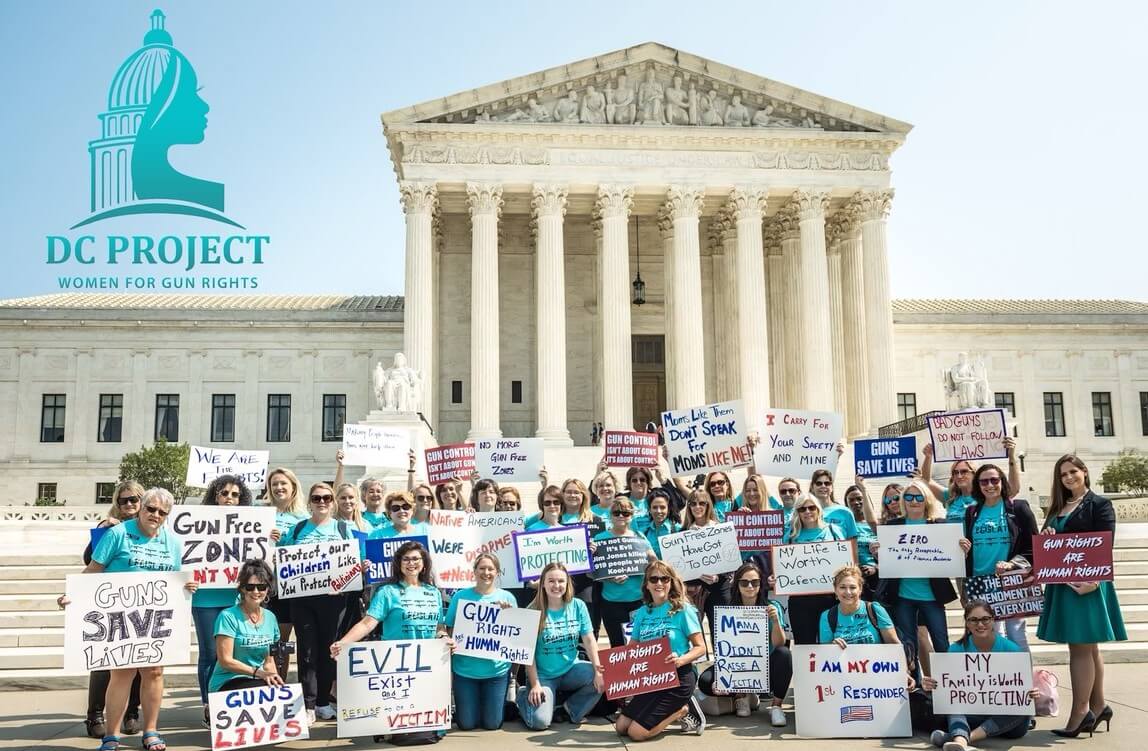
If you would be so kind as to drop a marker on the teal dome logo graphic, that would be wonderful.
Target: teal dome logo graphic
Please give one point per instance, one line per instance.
(153, 105)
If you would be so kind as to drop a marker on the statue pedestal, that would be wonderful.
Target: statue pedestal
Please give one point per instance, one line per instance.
(421, 438)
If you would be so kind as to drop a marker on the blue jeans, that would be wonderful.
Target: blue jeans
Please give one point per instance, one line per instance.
(577, 684)
(932, 617)
(478, 702)
(204, 619)
(1005, 726)
(1015, 629)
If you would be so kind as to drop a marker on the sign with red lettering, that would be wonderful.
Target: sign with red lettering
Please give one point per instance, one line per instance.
(393, 687)
(1012, 595)
(444, 463)
(757, 530)
(638, 668)
(263, 716)
(1074, 557)
(973, 435)
(702, 439)
(628, 448)
(457, 537)
(797, 443)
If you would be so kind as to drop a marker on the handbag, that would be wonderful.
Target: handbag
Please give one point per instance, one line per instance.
(1048, 702)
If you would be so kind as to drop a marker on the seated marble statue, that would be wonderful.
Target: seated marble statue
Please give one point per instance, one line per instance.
(621, 108)
(677, 104)
(398, 388)
(650, 96)
(593, 106)
(737, 114)
(709, 115)
(566, 110)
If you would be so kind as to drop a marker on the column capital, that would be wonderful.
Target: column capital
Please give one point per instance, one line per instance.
(872, 205)
(614, 200)
(685, 201)
(665, 223)
(811, 204)
(484, 198)
(849, 220)
(596, 224)
(418, 197)
(771, 237)
(788, 226)
(834, 233)
(548, 200)
(747, 202)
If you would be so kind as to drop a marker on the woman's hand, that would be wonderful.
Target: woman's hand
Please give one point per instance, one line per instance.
(839, 448)
(536, 695)
(543, 476)
(276, 534)
(364, 566)
(339, 457)
(927, 450)
(841, 643)
(874, 547)
(619, 579)
(753, 438)
(336, 648)
(771, 581)
(928, 683)
(63, 601)
(1010, 447)
(599, 679)
(1004, 567)
(966, 545)
(450, 645)
(191, 586)
(859, 480)
(411, 460)
(673, 657)
(1034, 693)
(602, 466)
(708, 578)
(475, 476)
(773, 614)
(1048, 531)
(272, 678)
(912, 683)
(1084, 588)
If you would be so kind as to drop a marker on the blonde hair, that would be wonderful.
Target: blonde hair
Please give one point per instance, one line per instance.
(356, 511)
(601, 476)
(762, 490)
(584, 513)
(795, 522)
(688, 520)
(933, 509)
(296, 504)
(845, 572)
(133, 487)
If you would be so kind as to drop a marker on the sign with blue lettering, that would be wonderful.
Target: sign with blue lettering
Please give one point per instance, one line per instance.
(741, 650)
(885, 457)
(483, 629)
(380, 551)
(393, 687)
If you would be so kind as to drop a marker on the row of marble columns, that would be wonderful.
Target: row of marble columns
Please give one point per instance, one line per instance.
(819, 312)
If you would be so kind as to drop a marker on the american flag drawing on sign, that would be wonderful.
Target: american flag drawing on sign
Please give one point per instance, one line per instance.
(860, 713)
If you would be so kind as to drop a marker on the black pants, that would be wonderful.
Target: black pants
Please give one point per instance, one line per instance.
(317, 620)
(805, 616)
(98, 689)
(241, 682)
(615, 615)
(718, 596)
(595, 605)
(780, 674)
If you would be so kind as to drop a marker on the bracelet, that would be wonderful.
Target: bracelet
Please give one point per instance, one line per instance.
(254, 672)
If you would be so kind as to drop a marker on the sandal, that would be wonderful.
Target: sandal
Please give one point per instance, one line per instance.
(153, 741)
(109, 743)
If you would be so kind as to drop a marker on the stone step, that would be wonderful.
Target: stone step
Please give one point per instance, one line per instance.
(1130, 554)
(55, 572)
(75, 559)
(32, 587)
(45, 657)
(31, 619)
(9, 602)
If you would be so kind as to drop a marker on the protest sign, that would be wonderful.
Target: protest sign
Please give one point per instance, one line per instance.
(264, 716)
(456, 537)
(807, 568)
(1072, 557)
(921, 550)
(637, 668)
(204, 464)
(621, 556)
(488, 630)
(757, 530)
(374, 446)
(380, 551)
(509, 459)
(567, 545)
(885, 457)
(702, 550)
(1012, 595)
(741, 650)
(627, 448)
(218, 539)
(988, 684)
(444, 463)
(856, 692)
(973, 435)
(391, 687)
(318, 568)
(797, 443)
(129, 620)
(706, 438)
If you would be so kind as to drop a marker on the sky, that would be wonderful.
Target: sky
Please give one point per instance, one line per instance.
(1020, 178)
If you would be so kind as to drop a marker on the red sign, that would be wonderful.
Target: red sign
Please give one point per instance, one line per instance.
(626, 448)
(757, 530)
(638, 668)
(1073, 557)
(444, 463)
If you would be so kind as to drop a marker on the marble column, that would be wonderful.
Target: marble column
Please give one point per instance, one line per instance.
(747, 205)
(666, 231)
(79, 433)
(729, 358)
(874, 209)
(419, 200)
(485, 203)
(613, 208)
(792, 361)
(723, 308)
(28, 407)
(836, 316)
(549, 207)
(684, 204)
(853, 316)
(775, 312)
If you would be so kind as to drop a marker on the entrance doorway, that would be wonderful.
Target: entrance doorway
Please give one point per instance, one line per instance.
(648, 356)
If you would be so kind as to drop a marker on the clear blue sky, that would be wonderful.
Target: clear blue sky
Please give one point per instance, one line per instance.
(1023, 177)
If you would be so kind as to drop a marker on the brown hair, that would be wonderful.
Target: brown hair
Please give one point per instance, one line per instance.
(688, 516)
(677, 596)
(1060, 496)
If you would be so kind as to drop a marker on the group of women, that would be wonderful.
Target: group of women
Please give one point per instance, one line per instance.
(244, 636)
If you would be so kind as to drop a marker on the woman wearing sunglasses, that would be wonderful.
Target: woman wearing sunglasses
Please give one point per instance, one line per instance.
(808, 526)
(709, 590)
(290, 509)
(424, 502)
(857, 501)
(400, 505)
(244, 634)
(959, 495)
(550, 505)
(622, 594)
(720, 489)
(821, 486)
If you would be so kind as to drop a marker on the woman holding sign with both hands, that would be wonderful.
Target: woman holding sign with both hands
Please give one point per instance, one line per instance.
(622, 594)
(244, 634)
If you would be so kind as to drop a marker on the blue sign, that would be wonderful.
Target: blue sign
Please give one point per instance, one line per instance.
(885, 457)
(381, 550)
(97, 534)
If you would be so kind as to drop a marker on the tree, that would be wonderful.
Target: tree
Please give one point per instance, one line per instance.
(1128, 472)
(163, 465)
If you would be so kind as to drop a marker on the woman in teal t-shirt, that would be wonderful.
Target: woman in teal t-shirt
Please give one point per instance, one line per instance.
(550, 505)
(622, 594)
(290, 509)
(807, 525)
(245, 634)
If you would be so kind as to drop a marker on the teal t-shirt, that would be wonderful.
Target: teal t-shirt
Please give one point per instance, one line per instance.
(865, 535)
(641, 511)
(285, 521)
(653, 532)
(816, 534)
(328, 530)
(557, 647)
(654, 623)
(1000, 644)
(627, 591)
(251, 642)
(124, 548)
(855, 628)
(414, 529)
(843, 518)
(538, 524)
(406, 611)
(375, 518)
(722, 508)
(990, 539)
(478, 668)
(915, 588)
(955, 510)
(602, 512)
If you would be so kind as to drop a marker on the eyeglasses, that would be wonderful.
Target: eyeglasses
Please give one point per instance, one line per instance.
(322, 498)
(506, 504)
(913, 498)
(698, 504)
(552, 502)
(400, 507)
(983, 620)
(751, 583)
(228, 494)
(626, 514)
(125, 500)
(805, 509)
(824, 483)
(892, 499)
(412, 559)
(717, 482)
(787, 491)
(658, 579)
(990, 481)
(255, 587)
(639, 481)
(962, 471)
(424, 498)
(156, 510)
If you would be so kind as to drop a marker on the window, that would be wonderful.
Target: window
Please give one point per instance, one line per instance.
(906, 406)
(111, 418)
(104, 491)
(1144, 412)
(52, 418)
(1102, 413)
(278, 418)
(456, 392)
(334, 415)
(1053, 413)
(1006, 400)
(167, 417)
(516, 392)
(46, 491)
(222, 418)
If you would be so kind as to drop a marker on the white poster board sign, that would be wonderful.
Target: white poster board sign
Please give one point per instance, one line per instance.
(329, 567)
(567, 545)
(975, 435)
(857, 692)
(265, 716)
(509, 459)
(218, 539)
(204, 464)
(485, 630)
(456, 537)
(921, 550)
(127, 620)
(741, 650)
(702, 550)
(390, 687)
(375, 446)
(797, 443)
(807, 568)
(983, 683)
(702, 439)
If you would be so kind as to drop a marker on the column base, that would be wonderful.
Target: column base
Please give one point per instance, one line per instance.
(555, 438)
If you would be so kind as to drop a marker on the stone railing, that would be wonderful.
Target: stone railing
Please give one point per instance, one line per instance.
(53, 513)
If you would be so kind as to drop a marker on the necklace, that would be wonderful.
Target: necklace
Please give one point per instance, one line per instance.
(255, 616)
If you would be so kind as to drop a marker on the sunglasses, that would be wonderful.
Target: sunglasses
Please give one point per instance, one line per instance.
(717, 482)
(913, 498)
(156, 510)
(803, 509)
(322, 498)
(255, 587)
(823, 483)
(698, 504)
(788, 491)
(552, 502)
(751, 583)
(424, 498)
(626, 514)
(983, 620)
(892, 499)
(400, 507)
(990, 481)
(228, 494)
(125, 500)
(658, 579)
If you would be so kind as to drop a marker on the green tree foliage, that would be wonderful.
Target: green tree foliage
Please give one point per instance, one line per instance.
(163, 465)
(1128, 473)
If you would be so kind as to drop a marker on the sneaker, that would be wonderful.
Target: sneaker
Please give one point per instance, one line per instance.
(694, 720)
(939, 738)
(310, 717)
(954, 746)
(777, 717)
(131, 724)
(325, 712)
(754, 702)
(741, 706)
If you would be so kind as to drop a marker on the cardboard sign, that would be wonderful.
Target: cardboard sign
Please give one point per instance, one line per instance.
(857, 692)
(456, 537)
(218, 539)
(1012, 595)
(741, 650)
(621, 556)
(444, 463)
(627, 448)
(205, 464)
(807, 568)
(380, 552)
(702, 550)
(638, 668)
(568, 545)
(374, 446)
(329, 567)
(509, 459)
(494, 632)
(390, 687)
(885, 457)
(983, 683)
(757, 531)
(265, 716)
(797, 443)
(128, 620)
(706, 438)
(921, 550)
(974, 435)
(1073, 557)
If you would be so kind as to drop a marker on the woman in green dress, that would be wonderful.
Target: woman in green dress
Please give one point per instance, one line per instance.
(1081, 614)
